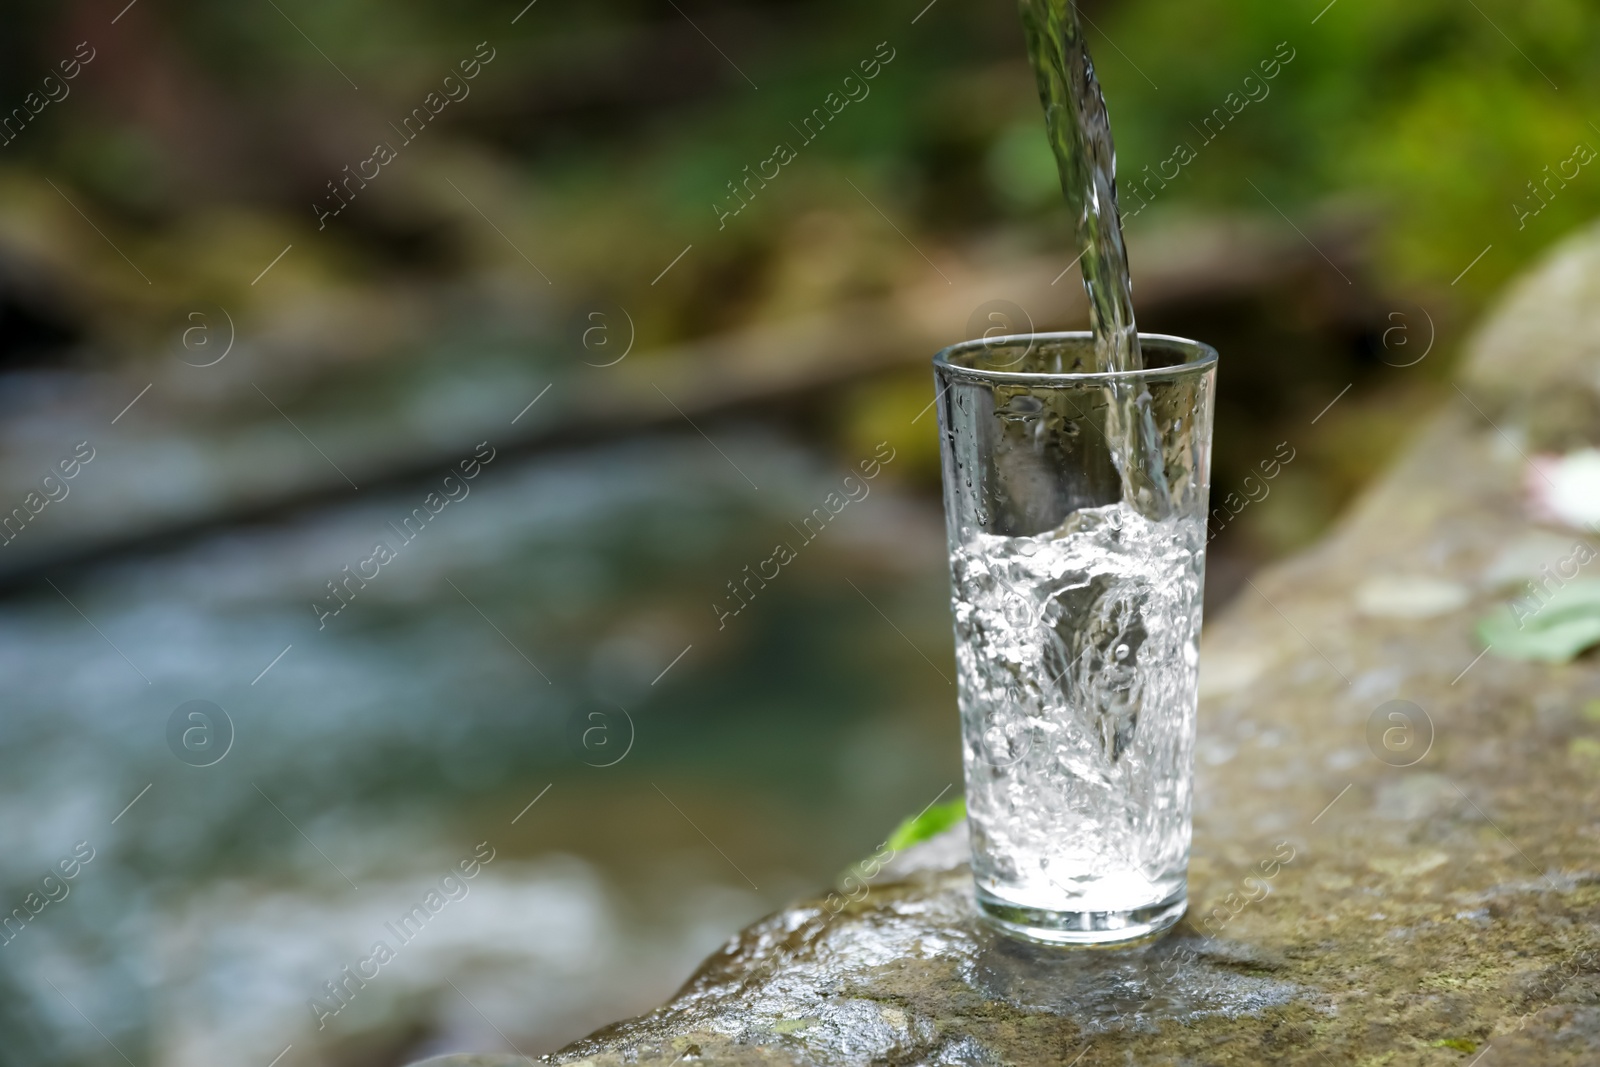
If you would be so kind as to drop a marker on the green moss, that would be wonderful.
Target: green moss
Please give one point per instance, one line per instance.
(1460, 1044)
(789, 1026)
(1584, 748)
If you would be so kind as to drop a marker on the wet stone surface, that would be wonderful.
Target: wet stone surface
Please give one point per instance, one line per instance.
(1423, 892)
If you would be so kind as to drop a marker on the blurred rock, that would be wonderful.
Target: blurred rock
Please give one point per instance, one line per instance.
(1537, 361)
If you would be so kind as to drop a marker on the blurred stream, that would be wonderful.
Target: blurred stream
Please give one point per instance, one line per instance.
(554, 620)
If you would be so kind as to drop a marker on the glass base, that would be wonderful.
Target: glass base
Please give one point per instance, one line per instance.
(1097, 928)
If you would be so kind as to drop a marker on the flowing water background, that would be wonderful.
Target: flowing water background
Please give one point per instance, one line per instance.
(382, 749)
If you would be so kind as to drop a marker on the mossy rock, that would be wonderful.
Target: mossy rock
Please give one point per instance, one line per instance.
(1442, 901)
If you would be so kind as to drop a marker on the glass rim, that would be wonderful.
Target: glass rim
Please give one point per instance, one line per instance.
(1201, 357)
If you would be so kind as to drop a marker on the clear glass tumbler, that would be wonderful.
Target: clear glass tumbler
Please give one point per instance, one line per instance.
(1077, 578)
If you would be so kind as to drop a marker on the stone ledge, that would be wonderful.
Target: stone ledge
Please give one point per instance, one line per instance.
(1416, 915)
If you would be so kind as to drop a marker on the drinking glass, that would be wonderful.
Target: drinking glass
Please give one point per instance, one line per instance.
(1075, 504)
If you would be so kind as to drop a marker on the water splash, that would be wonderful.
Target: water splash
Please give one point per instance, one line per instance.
(1078, 653)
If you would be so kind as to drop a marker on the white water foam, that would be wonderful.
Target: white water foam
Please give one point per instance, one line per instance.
(1078, 653)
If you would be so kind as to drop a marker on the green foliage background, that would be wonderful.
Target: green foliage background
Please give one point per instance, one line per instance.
(612, 128)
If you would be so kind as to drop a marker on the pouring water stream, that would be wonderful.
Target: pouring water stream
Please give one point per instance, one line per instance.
(1079, 131)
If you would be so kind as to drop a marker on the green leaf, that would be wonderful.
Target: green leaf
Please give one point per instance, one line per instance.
(1554, 630)
(936, 820)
